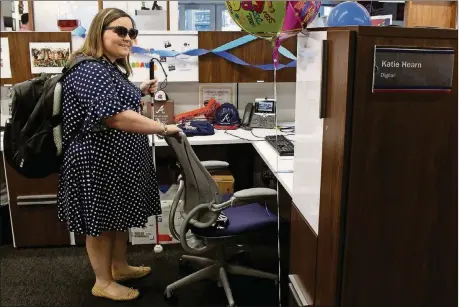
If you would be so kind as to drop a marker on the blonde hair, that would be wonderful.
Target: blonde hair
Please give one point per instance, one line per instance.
(93, 44)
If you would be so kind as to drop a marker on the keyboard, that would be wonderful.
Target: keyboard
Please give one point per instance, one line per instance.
(281, 144)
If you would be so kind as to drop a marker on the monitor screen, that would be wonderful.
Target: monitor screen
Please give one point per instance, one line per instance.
(265, 107)
(8, 21)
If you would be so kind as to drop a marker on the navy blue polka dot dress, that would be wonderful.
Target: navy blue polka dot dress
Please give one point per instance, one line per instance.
(107, 180)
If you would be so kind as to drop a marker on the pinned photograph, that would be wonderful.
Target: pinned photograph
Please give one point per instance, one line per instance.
(48, 57)
(171, 67)
(5, 64)
(167, 44)
(381, 21)
(163, 59)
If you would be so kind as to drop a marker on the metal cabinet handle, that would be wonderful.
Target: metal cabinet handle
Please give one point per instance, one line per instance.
(45, 196)
(295, 295)
(298, 290)
(324, 83)
(36, 200)
(36, 203)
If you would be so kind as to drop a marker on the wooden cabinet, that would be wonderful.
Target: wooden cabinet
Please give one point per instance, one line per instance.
(33, 208)
(33, 202)
(303, 248)
(400, 204)
(214, 69)
(426, 14)
(388, 195)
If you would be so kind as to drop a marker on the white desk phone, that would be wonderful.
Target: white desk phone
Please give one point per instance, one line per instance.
(261, 114)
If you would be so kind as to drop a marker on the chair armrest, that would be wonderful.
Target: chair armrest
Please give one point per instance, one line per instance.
(255, 194)
(214, 165)
(247, 196)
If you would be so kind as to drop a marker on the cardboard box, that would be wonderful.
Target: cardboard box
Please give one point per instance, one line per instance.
(148, 234)
(225, 183)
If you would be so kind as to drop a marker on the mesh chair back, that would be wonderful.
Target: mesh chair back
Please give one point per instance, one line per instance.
(200, 187)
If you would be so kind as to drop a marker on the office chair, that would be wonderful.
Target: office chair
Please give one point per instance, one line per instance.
(202, 205)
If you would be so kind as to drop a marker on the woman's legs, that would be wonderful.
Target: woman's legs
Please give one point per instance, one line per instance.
(119, 258)
(120, 266)
(100, 251)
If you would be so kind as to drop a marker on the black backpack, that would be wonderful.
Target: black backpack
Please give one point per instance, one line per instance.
(33, 136)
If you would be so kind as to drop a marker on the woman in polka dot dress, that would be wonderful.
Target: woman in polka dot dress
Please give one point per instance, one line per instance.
(107, 181)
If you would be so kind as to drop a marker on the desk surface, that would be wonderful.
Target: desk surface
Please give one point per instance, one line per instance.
(225, 137)
(282, 167)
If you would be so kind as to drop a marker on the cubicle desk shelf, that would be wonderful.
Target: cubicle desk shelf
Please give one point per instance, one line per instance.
(388, 196)
(214, 69)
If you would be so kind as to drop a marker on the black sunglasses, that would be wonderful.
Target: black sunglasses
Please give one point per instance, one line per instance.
(123, 31)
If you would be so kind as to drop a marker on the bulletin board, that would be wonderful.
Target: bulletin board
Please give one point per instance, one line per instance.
(182, 68)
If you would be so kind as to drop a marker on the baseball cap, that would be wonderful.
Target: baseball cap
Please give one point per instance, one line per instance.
(160, 96)
(227, 117)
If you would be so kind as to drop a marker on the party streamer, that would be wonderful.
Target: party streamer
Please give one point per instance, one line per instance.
(222, 52)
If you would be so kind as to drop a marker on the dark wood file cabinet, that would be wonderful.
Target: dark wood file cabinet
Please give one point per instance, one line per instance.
(33, 208)
(389, 192)
(302, 277)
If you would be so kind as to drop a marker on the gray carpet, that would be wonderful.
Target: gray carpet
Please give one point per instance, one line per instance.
(62, 277)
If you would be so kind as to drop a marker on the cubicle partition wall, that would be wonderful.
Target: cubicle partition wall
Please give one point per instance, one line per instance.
(33, 202)
(214, 69)
(379, 227)
(19, 50)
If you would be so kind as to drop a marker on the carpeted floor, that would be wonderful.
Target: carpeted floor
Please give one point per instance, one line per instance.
(62, 277)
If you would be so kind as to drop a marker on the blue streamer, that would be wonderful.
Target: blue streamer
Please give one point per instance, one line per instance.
(222, 52)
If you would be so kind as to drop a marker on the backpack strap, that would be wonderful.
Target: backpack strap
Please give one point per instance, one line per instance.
(77, 62)
(65, 71)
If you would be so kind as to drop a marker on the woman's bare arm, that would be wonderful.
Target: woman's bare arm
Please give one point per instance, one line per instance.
(134, 122)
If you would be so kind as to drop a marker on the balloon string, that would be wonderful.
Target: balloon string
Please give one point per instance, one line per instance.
(276, 52)
(275, 60)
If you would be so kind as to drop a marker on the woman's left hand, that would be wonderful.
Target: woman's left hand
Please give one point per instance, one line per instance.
(149, 87)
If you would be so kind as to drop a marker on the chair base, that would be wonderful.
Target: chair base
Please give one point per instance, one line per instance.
(216, 270)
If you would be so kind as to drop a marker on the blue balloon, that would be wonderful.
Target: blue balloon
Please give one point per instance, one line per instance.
(79, 31)
(348, 14)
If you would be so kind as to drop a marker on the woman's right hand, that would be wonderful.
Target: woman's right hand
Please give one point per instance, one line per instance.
(173, 129)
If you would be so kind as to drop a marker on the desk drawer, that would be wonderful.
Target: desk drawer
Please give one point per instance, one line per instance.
(33, 209)
(303, 248)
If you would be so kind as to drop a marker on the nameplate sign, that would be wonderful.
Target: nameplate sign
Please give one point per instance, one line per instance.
(412, 69)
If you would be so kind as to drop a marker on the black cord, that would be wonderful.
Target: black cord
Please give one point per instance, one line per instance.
(244, 139)
(261, 138)
(290, 130)
(163, 83)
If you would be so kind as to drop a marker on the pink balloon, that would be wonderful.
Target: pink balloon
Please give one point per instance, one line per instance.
(298, 15)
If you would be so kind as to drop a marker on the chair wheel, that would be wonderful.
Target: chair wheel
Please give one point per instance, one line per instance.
(170, 297)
